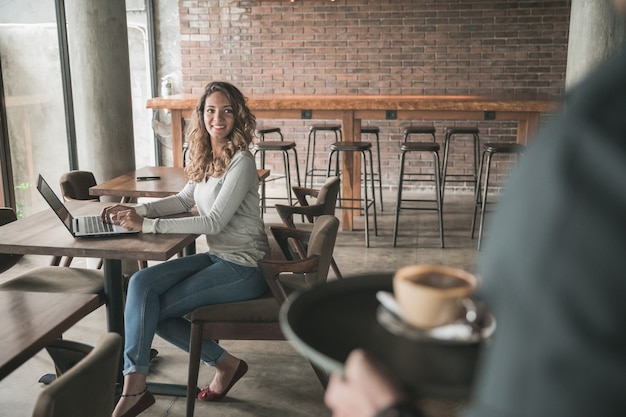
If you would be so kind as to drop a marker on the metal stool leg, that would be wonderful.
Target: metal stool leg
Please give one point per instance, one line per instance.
(444, 167)
(310, 153)
(295, 159)
(263, 182)
(373, 193)
(476, 157)
(484, 200)
(439, 196)
(477, 193)
(287, 176)
(366, 204)
(379, 172)
(398, 199)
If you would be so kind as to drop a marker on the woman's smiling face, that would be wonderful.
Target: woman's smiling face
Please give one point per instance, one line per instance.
(219, 116)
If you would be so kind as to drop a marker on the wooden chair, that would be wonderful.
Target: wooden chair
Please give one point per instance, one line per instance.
(257, 319)
(88, 388)
(325, 204)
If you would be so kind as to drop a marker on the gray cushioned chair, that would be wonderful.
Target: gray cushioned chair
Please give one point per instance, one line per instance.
(88, 388)
(325, 204)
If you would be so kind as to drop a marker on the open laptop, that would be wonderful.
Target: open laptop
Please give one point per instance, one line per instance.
(81, 226)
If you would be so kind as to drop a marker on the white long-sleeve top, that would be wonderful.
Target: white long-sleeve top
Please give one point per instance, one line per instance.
(228, 209)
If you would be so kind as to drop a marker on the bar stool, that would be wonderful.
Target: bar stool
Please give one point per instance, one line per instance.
(309, 169)
(473, 178)
(406, 147)
(375, 130)
(489, 150)
(262, 147)
(365, 149)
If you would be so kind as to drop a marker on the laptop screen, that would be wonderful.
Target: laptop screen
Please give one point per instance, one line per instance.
(54, 202)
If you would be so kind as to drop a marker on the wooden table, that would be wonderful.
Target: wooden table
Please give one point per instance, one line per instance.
(30, 321)
(44, 234)
(351, 109)
(171, 181)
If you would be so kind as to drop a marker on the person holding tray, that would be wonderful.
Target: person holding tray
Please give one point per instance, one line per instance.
(552, 275)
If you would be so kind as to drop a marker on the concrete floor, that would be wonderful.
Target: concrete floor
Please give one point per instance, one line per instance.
(280, 381)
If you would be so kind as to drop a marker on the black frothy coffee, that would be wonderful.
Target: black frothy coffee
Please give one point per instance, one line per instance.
(440, 281)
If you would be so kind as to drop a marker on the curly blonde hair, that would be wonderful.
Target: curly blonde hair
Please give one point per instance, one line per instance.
(202, 164)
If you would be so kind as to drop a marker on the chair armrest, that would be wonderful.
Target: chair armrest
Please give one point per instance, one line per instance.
(286, 212)
(302, 193)
(271, 270)
(282, 235)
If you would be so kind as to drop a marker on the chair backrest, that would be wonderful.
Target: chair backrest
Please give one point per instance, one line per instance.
(7, 215)
(325, 203)
(322, 243)
(88, 388)
(327, 196)
(75, 185)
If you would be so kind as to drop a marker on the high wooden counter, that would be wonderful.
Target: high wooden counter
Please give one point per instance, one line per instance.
(351, 109)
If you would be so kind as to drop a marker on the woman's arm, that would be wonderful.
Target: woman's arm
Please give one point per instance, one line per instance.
(216, 206)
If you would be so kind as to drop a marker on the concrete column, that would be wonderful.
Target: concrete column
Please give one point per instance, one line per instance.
(596, 31)
(99, 63)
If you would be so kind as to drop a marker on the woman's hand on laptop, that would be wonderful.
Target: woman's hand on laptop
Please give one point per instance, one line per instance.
(109, 213)
(129, 219)
(123, 215)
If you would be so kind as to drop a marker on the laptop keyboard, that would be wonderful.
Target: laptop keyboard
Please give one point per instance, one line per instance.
(95, 225)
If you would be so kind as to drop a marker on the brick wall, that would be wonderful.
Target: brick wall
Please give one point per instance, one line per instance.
(378, 47)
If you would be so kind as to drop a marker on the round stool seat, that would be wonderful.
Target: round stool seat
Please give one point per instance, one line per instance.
(351, 146)
(331, 128)
(495, 147)
(419, 146)
(430, 130)
(457, 130)
(275, 145)
(370, 130)
(265, 131)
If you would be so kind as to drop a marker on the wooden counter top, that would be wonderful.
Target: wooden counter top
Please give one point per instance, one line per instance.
(504, 102)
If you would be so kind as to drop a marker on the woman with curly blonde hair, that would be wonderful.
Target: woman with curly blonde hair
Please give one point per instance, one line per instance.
(200, 149)
(223, 186)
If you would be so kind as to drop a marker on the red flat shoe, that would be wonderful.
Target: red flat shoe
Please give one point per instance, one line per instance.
(207, 395)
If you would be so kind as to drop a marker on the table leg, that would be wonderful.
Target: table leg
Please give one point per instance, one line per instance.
(527, 128)
(351, 182)
(190, 250)
(114, 290)
(178, 122)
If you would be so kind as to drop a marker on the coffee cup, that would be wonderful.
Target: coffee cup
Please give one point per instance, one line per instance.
(432, 295)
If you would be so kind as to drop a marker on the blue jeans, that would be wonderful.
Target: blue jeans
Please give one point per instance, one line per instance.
(159, 297)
